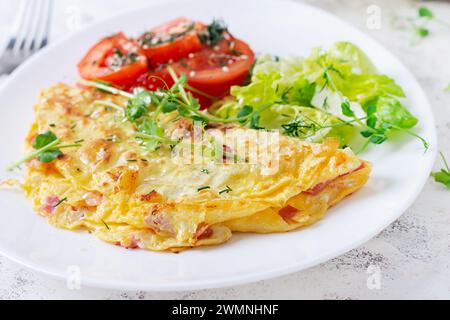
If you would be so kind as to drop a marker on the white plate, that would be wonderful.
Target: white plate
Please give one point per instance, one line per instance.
(278, 27)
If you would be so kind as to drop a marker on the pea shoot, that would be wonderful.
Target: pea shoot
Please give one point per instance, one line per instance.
(144, 107)
(48, 148)
(442, 176)
(419, 25)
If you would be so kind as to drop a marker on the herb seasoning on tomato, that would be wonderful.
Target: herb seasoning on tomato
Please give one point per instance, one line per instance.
(171, 41)
(115, 59)
(212, 59)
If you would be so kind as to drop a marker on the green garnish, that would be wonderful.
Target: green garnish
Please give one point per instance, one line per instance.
(47, 147)
(203, 188)
(150, 39)
(298, 128)
(422, 32)
(151, 135)
(204, 170)
(105, 87)
(346, 109)
(425, 13)
(213, 33)
(330, 93)
(226, 190)
(60, 201)
(112, 138)
(143, 108)
(336, 93)
(137, 106)
(442, 176)
(111, 105)
(419, 24)
(106, 225)
(244, 112)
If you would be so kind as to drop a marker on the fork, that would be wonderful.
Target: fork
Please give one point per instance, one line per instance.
(29, 34)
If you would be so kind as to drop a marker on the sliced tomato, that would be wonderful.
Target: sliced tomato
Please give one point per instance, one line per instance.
(171, 41)
(215, 69)
(212, 70)
(115, 59)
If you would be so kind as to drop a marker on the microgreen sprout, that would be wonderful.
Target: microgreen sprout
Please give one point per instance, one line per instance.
(419, 25)
(48, 148)
(143, 108)
(442, 176)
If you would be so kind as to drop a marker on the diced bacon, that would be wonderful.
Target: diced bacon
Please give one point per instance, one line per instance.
(78, 213)
(357, 169)
(102, 154)
(318, 188)
(203, 231)
(148, 197)
(48, 207)
(132, 244)
(288, 212)
(37, 165)
(158, 222)
(33, 163)
(92, 199)
(322, 185)
(31, 137)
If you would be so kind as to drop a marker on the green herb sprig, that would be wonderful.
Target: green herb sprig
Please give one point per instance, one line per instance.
(143, 108)
(213, 33)
(384, 114)
(419, 25)
(442, 176)
(48, 148)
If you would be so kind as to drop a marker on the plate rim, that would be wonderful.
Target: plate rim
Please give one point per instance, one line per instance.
(252, 277)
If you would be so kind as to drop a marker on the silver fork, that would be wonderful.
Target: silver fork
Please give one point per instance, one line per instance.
(29, 33)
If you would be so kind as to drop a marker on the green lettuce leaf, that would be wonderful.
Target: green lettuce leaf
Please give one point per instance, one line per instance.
(341, 83)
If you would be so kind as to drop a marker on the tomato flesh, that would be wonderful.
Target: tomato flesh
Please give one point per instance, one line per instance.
(211, 67)
(215, 69)
(212, 70)
(171, 41)
(114, 59)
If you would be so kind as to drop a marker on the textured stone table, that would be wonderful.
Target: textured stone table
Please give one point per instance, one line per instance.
(411, 257)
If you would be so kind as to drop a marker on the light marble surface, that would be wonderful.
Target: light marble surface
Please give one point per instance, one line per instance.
(412, 255)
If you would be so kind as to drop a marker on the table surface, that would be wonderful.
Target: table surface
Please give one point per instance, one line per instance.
(409, 260)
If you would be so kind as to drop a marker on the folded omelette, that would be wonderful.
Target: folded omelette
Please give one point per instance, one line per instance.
(130, 197)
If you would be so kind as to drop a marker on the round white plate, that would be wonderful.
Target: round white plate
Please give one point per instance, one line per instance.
(278, 27)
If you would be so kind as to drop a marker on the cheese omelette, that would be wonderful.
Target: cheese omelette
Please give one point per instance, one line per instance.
(113, 188)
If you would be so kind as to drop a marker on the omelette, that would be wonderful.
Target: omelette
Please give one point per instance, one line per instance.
(161, 200)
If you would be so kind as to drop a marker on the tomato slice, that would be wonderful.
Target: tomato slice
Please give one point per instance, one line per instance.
(115, 59)
(215, 69)
(171, 41)
(212, 70)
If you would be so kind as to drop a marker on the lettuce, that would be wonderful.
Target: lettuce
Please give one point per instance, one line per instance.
(340, 84)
